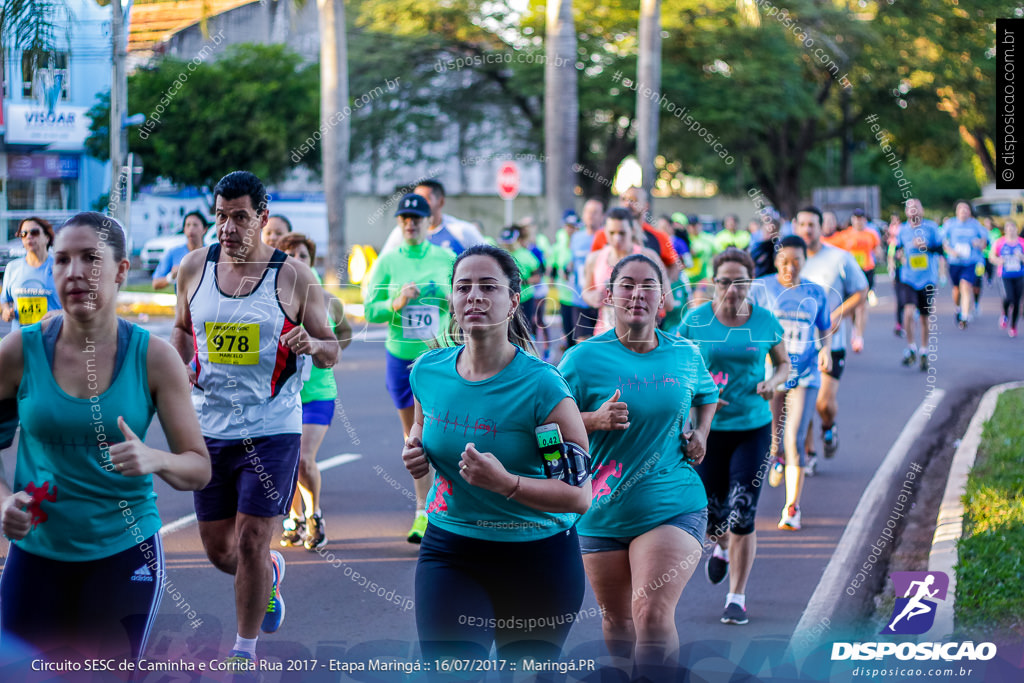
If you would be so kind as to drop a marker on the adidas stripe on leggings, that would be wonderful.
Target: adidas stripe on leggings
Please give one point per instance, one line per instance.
(101, 608)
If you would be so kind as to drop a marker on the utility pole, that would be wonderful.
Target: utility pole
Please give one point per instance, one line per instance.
(118, 110)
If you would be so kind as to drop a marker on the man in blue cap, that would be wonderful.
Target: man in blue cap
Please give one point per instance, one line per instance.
(408, 289)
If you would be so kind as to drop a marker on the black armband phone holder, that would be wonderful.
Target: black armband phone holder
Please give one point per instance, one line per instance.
(578, 464)
(8, 421)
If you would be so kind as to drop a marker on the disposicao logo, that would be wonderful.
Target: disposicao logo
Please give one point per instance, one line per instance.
(914, 613)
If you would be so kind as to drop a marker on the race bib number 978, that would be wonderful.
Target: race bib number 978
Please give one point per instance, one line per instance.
(233, 343)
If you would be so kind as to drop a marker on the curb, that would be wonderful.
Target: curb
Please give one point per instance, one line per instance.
(949, 527)
(826, 606)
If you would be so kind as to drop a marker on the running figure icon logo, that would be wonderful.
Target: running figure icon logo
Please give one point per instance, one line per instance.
(914, 613)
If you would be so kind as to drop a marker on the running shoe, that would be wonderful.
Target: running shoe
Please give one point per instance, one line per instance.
(962, 323)
(1013, 333)
(857, 344)
(716, 569)
(898, 330)
(419, 527)
(909, 357)
(316, 536)
(872, 298)
(775, 474)
(830, 437)
(811, 468)
(924, 362)
(1003, 322)
(734, 614)
(294, 532)
(790, 519)
(242, 666)
(275, 608)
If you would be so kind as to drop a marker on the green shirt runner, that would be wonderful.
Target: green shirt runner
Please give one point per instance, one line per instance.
(423, 319)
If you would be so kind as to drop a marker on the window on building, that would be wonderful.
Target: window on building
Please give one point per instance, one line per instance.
(42, 194)
(20, 195)
(37, 74)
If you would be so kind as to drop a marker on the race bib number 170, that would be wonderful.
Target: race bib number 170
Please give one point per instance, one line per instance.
(420, 322)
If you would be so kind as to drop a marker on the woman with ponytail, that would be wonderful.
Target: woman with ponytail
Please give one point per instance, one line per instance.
(500, 550)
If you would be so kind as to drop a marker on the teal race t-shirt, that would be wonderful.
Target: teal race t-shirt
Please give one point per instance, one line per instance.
(498, 415)
(640, 478)
(735, 358)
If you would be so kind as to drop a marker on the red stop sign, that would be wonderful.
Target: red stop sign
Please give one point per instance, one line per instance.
(508, 180)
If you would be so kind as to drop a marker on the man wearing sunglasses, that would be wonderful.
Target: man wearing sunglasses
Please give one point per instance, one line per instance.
(29, 293)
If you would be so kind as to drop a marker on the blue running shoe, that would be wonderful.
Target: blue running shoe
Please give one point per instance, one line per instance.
(830, 437)
(275, 608)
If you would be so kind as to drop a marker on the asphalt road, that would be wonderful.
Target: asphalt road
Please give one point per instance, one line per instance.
(352, 604)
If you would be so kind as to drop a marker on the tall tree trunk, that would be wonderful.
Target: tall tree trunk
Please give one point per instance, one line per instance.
(118, 111)
(561, 111)
(648, 80)
(335, 139)
(846, 157)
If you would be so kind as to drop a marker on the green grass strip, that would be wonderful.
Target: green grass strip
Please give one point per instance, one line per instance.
(990, 570)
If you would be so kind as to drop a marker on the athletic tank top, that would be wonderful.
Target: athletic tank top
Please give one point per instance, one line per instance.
(320, 385)
(82, 508)
(602, 274)
(247, 382)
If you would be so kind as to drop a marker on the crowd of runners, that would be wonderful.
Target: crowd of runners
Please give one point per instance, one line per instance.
(613, 438)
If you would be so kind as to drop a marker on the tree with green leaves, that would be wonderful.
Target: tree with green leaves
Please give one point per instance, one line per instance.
(933, 68)
(31, 25)
(251, 109)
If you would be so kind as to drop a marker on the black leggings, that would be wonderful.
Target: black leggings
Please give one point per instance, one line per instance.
(570, 316)
(732, 473)
(1013, 288)
(470, 593)
(102, 608)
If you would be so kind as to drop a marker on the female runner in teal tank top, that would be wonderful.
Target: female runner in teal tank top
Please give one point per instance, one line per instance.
(85, 563)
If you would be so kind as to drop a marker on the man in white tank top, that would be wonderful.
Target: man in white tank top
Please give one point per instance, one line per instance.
(243, 320)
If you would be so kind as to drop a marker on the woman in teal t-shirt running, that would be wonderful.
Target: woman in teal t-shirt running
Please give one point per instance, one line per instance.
(83, 576)
(642, 537)
(735, 337)
(500, 560)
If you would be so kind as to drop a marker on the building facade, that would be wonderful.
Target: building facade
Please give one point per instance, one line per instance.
(44, 167)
